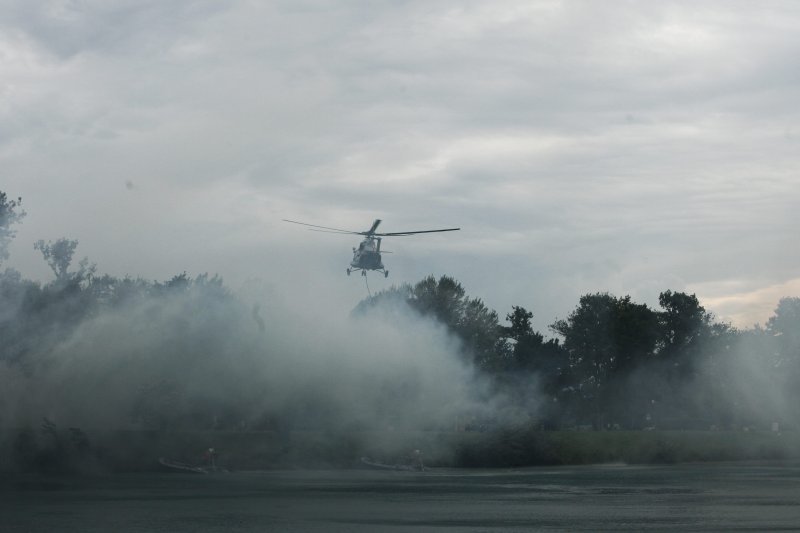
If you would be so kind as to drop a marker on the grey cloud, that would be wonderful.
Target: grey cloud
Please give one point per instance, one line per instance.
(600, 146)
(69, 27)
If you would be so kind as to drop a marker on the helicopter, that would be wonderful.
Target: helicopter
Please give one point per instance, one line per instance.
(368, 254)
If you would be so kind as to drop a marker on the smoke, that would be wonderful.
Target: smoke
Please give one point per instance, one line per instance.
(736, 381)
(753, 389)
(199, 357)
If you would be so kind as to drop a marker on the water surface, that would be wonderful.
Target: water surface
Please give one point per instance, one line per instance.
(728, 497)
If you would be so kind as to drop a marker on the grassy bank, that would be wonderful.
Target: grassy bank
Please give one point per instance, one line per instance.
(520, 448)
(140, 450)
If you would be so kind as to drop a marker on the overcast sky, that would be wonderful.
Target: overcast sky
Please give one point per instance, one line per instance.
(628, 147)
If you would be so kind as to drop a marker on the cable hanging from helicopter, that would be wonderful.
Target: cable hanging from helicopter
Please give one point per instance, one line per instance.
(368, 254)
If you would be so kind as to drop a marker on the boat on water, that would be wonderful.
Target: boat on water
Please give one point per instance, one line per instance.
(208, 466)
(184, 467)
(413, 466)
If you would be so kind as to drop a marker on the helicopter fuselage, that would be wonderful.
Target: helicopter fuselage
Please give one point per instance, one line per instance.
(367, 257)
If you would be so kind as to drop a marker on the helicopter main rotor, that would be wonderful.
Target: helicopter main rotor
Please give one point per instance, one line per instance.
(371, 231)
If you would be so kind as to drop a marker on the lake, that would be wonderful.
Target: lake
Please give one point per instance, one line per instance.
(696, 497)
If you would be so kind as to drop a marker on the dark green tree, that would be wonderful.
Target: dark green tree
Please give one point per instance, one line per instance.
(685, 327)
(607, 338)
(445, 300)
(692, 375)
(529, 352)
(10, 213)
(635, 334)
(534, 368)
(784, 325)
(468, 318)
(58, 255)
(783, 341)
(520, 320)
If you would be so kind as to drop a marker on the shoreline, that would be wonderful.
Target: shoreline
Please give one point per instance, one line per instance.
(140, 450)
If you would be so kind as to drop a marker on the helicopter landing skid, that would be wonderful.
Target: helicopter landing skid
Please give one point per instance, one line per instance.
(364, 271)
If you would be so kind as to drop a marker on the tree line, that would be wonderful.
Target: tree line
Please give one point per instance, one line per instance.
(615, 363)
(610, 363)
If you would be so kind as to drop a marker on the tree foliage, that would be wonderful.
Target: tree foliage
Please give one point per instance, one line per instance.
(446, 301)
(11, 213)
(783, 335)
(58, 255)
(520, 320)
(606, 336)
(785, 325)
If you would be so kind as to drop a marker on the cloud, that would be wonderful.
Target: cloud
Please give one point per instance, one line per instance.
(605, 146)
(744, 303)
(66, 28)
